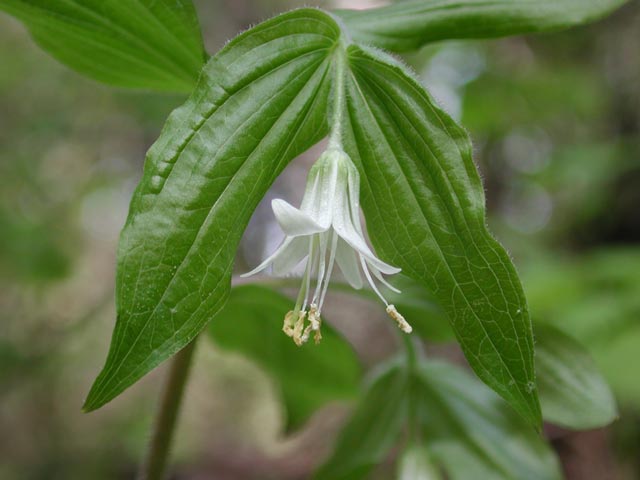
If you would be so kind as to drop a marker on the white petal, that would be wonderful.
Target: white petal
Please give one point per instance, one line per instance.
(282, 250)
(294, 222)
(353, 183)
(380, 278)
(318, 201)
(344, 225)
(348, 262)
(296, 251)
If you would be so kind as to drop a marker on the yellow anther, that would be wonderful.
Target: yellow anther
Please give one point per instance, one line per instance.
(298, 329)
(289, 323)
(402, 323)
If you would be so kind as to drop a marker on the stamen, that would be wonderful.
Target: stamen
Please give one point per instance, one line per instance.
(402, 323)
(321, 266)
(332, 259)
(297, 329)
(307, 271)
(365, 268)
(318, 335)
(381, 279)
(289, 322)
(305, 335)
(314, 324)
(314, 318)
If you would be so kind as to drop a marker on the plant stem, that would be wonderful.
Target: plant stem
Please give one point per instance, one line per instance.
(412, 359)
(410, 351)
(160, 444)
(335, 137)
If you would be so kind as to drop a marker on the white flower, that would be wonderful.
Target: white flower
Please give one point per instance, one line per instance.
(326, 230)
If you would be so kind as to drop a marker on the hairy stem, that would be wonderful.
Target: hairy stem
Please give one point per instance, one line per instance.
(160, 444)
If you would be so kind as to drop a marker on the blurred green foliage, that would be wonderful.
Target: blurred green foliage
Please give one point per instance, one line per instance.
(596, 299)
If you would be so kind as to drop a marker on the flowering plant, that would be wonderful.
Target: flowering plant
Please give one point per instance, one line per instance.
(268, 96)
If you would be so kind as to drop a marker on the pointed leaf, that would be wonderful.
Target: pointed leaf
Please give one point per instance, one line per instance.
(308, 377)
(572, 391)
(150, 44)
(424, 205)
(408, 25)
(259, 103)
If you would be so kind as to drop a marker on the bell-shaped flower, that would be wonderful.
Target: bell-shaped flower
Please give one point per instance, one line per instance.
(326, 231)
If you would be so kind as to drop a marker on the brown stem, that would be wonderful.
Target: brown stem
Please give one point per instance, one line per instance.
(157, 456)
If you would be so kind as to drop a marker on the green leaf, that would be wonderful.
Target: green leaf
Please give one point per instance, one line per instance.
(572, 391)
(308, 377)
(424, 204)
(373, 428)
(149, 44)
(470, 432)
(259, 103)
(408, 25)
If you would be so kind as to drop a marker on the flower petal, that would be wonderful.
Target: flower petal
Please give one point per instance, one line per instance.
(344, 226)
(319, 197)
(282, 250)
(294, 222)
(296, 251)
(348, 262)
(378, 275)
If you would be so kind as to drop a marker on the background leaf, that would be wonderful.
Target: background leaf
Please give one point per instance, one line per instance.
(150, 44)
(456, 422)
(594, 298)
(408, 25)
(424, 205)
(572, 391)
(308, 377)
(469, 431)
(259, 103)
(372, 430)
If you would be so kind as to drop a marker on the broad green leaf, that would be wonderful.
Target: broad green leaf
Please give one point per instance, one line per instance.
(259, 103)
(148, 44)
(572, 391)
(309, 377)
(424, 205)
(415, 464)
(372, 430)
(471, 433)
(408, 25)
